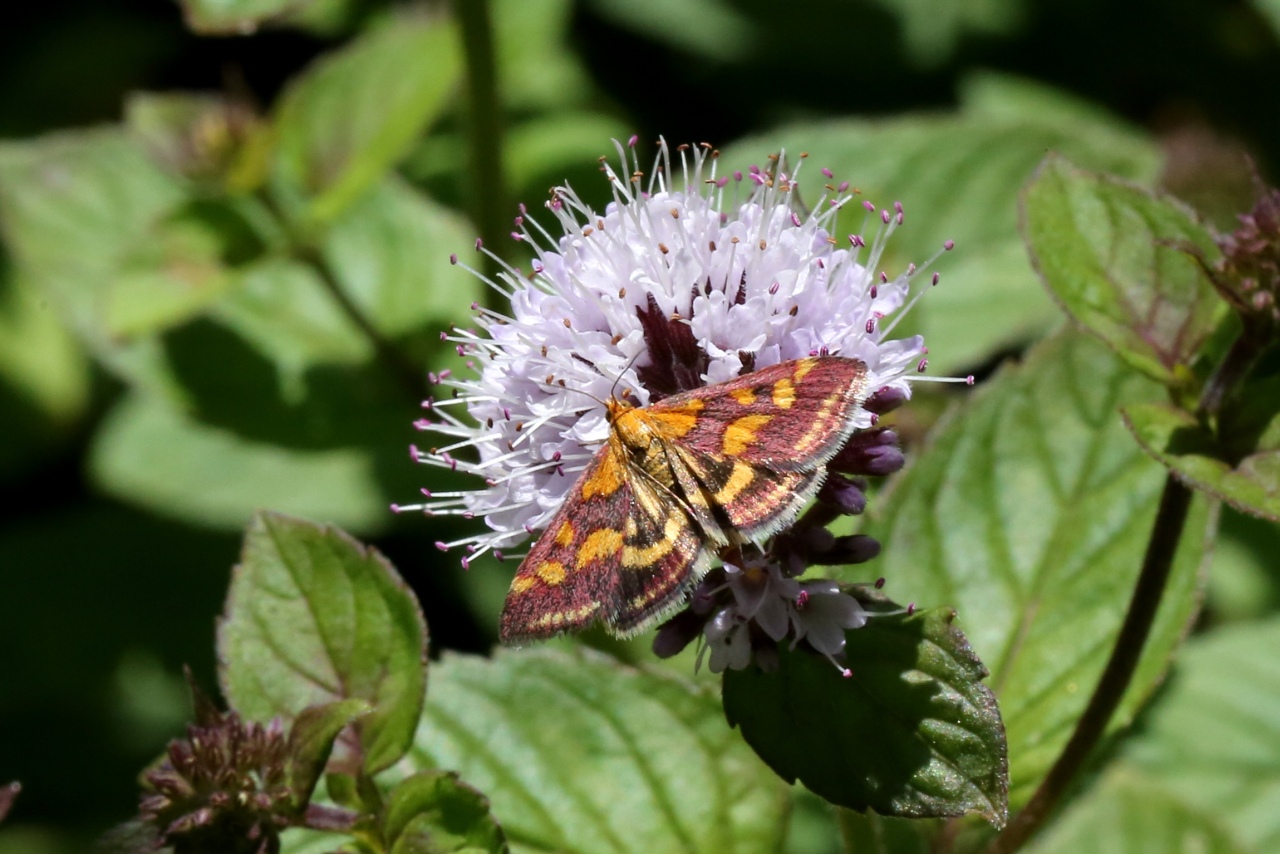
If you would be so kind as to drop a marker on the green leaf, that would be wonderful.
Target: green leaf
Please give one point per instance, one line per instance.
(1214, 738)
(913, 732)
(712, 28)
(151, 454)
(933, 29)
(1111, 255)
(958, 176)
(243, 17)
(75, 207)
(1178, 441)
(1130, 813)
(1030, 515)
(181, 272)
(44, 377)
(433, 812)
(311, 740)
(580, 754)
(350, 117)
(390, 252)
(537, 66)
(314, 617)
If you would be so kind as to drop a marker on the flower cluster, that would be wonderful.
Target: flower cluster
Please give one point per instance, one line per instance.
(690, 277)
(222, 787)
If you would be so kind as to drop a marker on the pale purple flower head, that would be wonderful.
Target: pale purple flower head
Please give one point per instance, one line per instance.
(689, 277)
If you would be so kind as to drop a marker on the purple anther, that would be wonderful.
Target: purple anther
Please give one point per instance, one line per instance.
(871, 326)
(949, 245)
(827, 172)
(631, 143)
(936, 277)
(802, 600)
(737, 174)
(884, 277)
(897, 206)
(442, 546)
(899, 218)
(515, 235)
(499, 556)
(922, 366)
(426, 492)
(519, 221)
(479, 244)
(884, 217)
(773, 289)
(842, 186)
(873, 292)
(453, 258)
(523, 210)
(466, 563)
(795, 219)
(422, 424)
(968, 380)
(879, 585)
(870, 207)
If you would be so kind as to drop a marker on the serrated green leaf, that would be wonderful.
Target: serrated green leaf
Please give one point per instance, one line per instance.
(912, 732)
(1130, 813)
(580, 754)
(348, 119)
(433, 812)
(1105, 250)
(314, 617)
(1030, 515)
(310, 741)
(1214, 738)
(958, 177)
(1178, 441)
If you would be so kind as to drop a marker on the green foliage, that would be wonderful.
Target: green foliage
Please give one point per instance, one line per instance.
(1119, 260)
(911, 732)
(220, 301)
(1030, 514)
(955, 174)
(314, 617)
(579, 753)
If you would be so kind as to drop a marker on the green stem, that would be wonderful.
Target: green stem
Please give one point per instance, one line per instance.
(489, 206)
(1166, 533)
(1157, 564)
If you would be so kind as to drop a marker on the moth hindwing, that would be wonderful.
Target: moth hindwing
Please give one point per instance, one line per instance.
(675, 482)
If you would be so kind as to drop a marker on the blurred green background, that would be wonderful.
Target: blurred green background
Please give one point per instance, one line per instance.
(180, 275)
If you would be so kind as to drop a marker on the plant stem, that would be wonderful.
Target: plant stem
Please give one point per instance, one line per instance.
(1166, 533)
(484, 130)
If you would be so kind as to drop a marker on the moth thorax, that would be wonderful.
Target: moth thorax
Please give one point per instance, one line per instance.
(630, 424)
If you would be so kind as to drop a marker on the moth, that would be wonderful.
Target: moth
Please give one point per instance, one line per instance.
(675, 482)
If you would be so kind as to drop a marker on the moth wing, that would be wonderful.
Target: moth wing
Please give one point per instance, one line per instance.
(664, 555)
(793, 416)
(568, 579)
(751, 499)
